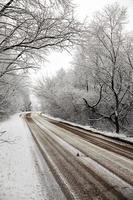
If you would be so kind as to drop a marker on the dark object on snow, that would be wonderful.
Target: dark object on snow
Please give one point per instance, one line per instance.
(78, 154)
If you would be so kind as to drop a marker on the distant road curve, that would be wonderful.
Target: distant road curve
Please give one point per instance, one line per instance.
(86, 166)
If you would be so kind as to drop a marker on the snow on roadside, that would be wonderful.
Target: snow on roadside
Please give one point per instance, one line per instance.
(120, 136)
(18, 177)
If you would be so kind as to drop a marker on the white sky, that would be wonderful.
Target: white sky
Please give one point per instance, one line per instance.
(83, 8)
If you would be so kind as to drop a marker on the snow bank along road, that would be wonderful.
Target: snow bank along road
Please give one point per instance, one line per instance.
(85, 165)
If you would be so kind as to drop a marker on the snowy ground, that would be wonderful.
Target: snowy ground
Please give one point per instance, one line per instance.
(22, 174)
(120, 136)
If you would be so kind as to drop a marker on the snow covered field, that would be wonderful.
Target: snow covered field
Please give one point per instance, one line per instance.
(21, 165)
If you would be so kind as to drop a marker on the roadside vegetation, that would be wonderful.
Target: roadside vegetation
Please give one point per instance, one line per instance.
(28, 30)
(98, 90)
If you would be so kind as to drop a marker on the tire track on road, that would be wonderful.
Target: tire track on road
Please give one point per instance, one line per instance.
(125, 167)
(76, 174)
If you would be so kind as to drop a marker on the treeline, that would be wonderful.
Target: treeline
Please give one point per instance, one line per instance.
(98, 90)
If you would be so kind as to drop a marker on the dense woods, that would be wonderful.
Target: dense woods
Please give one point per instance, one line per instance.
(98, 90)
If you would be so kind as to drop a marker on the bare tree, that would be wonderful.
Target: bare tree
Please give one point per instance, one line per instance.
(113, 76)
(27, 26)
(28, 29)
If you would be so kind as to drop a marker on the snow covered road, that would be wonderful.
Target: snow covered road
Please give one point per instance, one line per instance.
(103, 169)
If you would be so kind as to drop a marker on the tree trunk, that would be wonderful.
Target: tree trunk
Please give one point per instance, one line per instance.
(117, 127)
